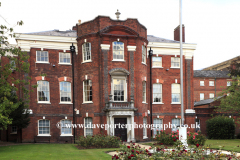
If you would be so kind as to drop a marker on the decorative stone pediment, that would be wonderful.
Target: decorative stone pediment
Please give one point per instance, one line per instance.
(121, 113)
(118, 30)
(118, 71)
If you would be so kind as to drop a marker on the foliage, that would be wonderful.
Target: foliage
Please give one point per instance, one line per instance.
(220, 127)
(234, 68)
(196, 138)
(10, 81)
(98, 141)
(135, 152)
(226, 144)
(166, 139)
(231, 103)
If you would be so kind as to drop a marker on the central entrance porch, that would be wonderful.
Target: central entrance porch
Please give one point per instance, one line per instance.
(121, 129)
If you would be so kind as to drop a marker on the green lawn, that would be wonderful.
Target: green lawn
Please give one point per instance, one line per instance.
(51, 151)
(230, 144)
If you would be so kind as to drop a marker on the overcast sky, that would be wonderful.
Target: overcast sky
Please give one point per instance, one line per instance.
(214, 25)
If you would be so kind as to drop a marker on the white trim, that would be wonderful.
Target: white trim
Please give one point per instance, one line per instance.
(157, 103)
(42, 61)
(123, 52)
(105, 46)
(48, 127)
(189, 111)
(176, 103)
(156, 67)
(144, 63)
(66, 135)
(84, 92)
(125, 87)
(131, 48)
(116, 60)
(45, 102)
(44, 135)
(66, 127)
(83, 53)
(70, 63)
(86, 61)
(64, 102)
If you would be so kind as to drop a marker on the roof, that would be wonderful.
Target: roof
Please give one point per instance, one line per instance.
(67, 33)
(206, 101)
(223, 65)
(152, 38)
(212, 74)
(73, 33)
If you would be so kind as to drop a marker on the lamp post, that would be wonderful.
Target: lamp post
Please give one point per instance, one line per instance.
(150, 57)
(72, 49)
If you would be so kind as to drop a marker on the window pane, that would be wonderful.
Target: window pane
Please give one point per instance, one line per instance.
(157, 61)
(43, 91)
(157, 92)
(118, 89)
(87, 90)
(118, 50)
(87, 51)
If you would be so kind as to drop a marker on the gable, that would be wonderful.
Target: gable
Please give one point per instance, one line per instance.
(118, 30)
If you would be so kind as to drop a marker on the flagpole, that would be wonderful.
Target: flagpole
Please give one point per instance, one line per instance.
(181, 62)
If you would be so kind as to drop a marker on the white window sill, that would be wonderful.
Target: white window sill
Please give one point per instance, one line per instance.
(66, 135)
(145, 137)
(175, 67)
(65, 103)
(44, 135)
(13, 133)
(144, 63)
(144, 102)
(86, 61)
(201, 86)
(65, 64)
(176, 103)
(86, 102)
(157, 103)
(43, 102)
(156, 67)
(43, 62)
(118, 60)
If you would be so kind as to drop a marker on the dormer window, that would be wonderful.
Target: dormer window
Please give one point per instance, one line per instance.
(118, 51)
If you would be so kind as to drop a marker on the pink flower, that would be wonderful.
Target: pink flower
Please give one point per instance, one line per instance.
(172, 135)
(193, 137)
(188, 132)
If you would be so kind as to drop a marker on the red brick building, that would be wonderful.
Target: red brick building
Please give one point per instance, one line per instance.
(208, 84)
(111, 81)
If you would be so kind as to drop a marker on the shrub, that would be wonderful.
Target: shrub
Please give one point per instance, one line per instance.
(196, 138)
(98, 141)
(166, 139)
(220, 127)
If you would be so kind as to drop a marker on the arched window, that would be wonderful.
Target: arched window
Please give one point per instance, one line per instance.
(43, 92)
(65, 92)
(86, 50)
(118, 51)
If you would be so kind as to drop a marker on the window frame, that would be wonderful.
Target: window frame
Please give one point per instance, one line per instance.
(144, 54)
(48, 92)
(202, 83)
(176, 93)
(144, 86)
(145, 128)
(229, 83)
(65, 102)
(84, 51)
(90, 91)
(40, 56)
(124, 78)
(161, 102)
(211, 94)
(86, 127)
(175, 129)
(156, 61)
(200, 96)
(211, 83)
(62, 126)
(117, 50)
(64, 63)
(156, 127)
(173, 62)
(14, 131)
(45, 126)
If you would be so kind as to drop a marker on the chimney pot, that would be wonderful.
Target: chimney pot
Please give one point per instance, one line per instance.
(79, 22)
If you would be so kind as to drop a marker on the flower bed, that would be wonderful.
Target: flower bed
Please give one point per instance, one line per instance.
(135, 152)
(98, 141)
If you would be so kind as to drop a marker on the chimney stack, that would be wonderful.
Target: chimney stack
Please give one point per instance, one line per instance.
(177, 33)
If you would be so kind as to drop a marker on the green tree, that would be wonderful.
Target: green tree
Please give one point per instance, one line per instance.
(9, 81)
(230, 102)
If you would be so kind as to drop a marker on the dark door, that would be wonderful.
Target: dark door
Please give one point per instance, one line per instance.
(121, 131)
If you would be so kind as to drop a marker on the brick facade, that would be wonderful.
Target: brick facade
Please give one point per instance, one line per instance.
(102, 70)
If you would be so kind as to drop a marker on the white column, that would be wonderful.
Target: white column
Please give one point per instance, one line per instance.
(132, 130)
(112, 126)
